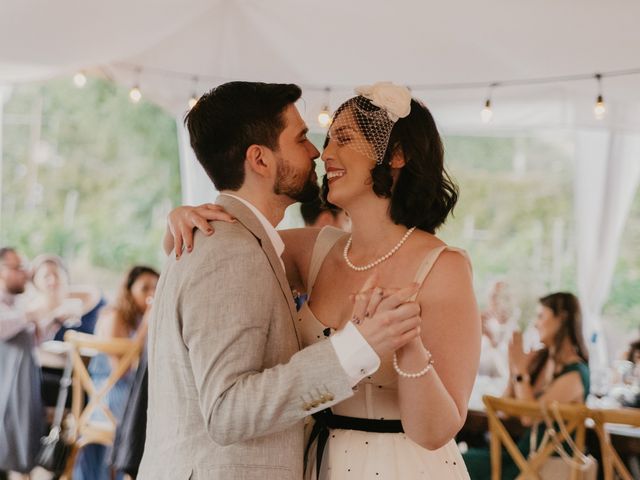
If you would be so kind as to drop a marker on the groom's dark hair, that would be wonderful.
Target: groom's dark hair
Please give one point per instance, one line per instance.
(230, 118)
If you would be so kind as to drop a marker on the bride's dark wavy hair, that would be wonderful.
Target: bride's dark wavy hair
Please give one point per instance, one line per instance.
(424, 194)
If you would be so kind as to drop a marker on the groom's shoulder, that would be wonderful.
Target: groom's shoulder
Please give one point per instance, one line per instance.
(227, 238)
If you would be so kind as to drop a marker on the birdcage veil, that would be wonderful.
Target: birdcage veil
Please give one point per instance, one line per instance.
(364, 122)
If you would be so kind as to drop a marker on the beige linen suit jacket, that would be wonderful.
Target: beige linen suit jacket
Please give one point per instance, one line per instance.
(228, 386)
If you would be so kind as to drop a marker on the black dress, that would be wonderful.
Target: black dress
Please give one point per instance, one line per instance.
(21, 410)
(130, 435)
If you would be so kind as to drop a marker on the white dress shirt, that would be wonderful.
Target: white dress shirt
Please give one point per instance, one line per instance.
(272, 233)
(355, 355)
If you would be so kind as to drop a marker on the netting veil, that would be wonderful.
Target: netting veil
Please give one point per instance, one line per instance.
(364, 122)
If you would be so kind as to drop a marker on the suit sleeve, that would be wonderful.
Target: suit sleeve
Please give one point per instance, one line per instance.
(225, 323)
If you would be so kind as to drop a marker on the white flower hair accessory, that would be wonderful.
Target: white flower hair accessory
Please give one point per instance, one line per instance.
(393, 99)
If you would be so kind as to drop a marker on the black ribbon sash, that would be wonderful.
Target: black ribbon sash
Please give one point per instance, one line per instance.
(326, 420)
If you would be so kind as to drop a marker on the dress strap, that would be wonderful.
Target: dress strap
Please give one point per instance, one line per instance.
(327, 238)
(430, 260)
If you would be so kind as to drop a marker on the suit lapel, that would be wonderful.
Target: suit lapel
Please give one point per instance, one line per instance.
(248, 219)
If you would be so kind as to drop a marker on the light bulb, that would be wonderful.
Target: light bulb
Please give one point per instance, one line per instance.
(192, 101)
(486, 114)
(79, 80)
(599, 109)
(324, 117)
(135, 95)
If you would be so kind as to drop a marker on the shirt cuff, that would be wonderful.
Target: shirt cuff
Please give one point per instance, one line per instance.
(356, 356)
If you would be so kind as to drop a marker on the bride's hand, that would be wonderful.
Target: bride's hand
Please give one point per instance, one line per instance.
(183, 220)
(387, 319)
(367, 300)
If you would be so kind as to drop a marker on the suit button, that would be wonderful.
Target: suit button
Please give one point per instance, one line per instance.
(329, 397)
(306, 407)
(315, 403)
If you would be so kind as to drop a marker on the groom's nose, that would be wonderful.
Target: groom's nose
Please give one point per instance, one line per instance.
(314, 151)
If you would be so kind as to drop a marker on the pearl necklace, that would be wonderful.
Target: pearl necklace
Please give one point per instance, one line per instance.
(379, 260)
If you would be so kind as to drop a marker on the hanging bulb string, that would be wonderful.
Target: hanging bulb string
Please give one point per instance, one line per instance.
(487, 110)
(414, 87)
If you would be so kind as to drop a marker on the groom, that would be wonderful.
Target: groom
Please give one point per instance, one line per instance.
(229, 386)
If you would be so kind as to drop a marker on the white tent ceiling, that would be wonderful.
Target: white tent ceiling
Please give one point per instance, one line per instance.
(331, 43)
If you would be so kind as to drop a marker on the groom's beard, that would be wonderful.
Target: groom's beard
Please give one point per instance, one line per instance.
(299, 185)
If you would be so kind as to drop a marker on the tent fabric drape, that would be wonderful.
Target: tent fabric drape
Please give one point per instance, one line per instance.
(607, 175)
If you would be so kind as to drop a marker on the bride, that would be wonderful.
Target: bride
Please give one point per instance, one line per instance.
(385, 167)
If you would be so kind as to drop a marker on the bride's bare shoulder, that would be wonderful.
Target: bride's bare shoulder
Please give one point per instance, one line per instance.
(298, 247)
(427, 241)
(301, 239)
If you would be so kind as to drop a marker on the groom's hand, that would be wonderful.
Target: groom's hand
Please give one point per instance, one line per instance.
(387, 322)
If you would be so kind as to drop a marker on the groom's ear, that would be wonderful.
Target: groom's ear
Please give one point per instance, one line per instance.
(256, 160)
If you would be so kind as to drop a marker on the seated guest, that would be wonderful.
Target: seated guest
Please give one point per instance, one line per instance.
(126, 318)
(633, 354)
(21, 408)
(74, 307)
(498, 324)
(52, 291)
(559, 371)
(316, 214)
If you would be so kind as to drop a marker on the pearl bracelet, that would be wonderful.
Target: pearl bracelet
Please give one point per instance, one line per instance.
(404, 374)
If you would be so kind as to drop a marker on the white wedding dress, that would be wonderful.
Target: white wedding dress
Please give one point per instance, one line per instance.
(354, 454)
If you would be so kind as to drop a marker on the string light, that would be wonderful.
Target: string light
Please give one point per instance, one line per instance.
(163, 72)
(487, 113)
(324, 117)
(79, 80)
(599, 108)
(194, 96)
(135, 95)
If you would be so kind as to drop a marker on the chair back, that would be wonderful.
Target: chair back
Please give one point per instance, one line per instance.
(606, 421)
(573, 417)
(86, 428)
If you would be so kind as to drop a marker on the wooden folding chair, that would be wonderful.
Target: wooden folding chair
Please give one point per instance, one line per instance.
(612, 464)
(573, 415)
(86, 429)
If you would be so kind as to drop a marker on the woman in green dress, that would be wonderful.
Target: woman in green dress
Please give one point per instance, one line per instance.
(559, 371)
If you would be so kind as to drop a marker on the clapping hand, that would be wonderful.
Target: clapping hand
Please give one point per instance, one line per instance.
(69, 312)
(518, 359)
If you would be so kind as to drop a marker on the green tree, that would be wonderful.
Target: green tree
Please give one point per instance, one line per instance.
(88, 175)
